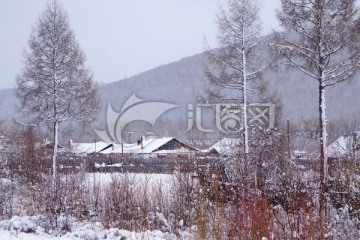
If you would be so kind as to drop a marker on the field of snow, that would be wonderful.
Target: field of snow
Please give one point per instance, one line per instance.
(25, 228)
(141, 181)
(31, 228)
(152, 180)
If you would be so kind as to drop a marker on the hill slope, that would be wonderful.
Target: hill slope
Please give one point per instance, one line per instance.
(179, 83)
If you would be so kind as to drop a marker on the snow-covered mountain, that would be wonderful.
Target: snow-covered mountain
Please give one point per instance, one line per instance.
(181, 82)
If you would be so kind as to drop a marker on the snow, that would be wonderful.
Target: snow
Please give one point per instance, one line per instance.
(7, 235)
(150, 144)
(16, 228)
(226, 146)
(105, 178)
(342, 146)
(34, 227)
(175, 151)
(104, 165)
(323, 122)
(83, 148)
(151, 181)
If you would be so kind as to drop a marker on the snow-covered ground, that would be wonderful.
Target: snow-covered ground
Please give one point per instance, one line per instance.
(149, 178)
(27, 228)
(142, 181)
(112, 234)
(32, 228)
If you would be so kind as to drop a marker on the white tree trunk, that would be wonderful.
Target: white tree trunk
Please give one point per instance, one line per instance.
(323, 132)
(54, 157)
(323, 159)
(244, 83)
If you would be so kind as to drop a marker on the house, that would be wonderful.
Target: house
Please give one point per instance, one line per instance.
(48, 145)
(83, 149)
(345, 147)
(151, 147)
(224, 147)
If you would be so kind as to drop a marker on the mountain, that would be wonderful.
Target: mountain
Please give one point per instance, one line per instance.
(176, 83)
(181, 82)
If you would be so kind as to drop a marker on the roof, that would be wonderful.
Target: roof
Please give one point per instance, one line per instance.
(175, 151)
(226, 146)
(150, 145)
(80, 148)
(343, 146)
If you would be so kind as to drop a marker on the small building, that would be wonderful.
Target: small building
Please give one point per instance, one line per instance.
(225, 147)
(83, 149)
(146, 148)
(345, 147)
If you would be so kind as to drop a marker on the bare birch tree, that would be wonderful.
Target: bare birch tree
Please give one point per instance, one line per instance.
(321, 41)
(55, 86)
(236, 65)
(234, 72)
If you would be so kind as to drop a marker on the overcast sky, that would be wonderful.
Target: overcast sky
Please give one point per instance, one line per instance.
(120, 38)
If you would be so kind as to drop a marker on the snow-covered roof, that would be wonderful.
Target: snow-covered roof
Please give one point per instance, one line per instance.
(343, 146)
(226, 146)
(149, 145)
(175, 151)
(84, 148)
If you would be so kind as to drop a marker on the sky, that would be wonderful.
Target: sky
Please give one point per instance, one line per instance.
(120, 38)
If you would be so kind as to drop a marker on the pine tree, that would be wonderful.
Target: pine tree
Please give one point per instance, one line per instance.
(55, 86)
